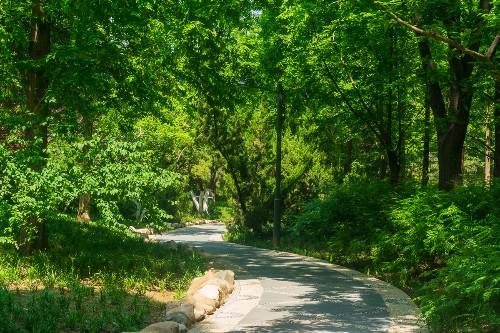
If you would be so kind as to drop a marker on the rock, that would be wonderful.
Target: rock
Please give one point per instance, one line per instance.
(226, 276)
(225, 288)
(202, 302)
(172, 305)
(198, 283)
(212, 292)
(163, 327)
(171, 244)
(183, 314)
(199, 314)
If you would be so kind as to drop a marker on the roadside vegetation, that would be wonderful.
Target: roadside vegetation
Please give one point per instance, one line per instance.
(91, 279)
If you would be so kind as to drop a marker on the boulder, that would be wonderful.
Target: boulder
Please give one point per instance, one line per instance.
(163, 327)
(212, 292)
(171, 244)
(199, 314)
(183, 314)
(202, 302)
(226, 276)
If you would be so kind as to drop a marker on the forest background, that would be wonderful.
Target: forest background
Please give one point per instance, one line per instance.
(112, 112)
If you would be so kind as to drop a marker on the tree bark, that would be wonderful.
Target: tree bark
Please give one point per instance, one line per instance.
(83, 214)
(451, 123)
(394, 167)
(427, 140)
(382, 173)
(33, 235)
(487, 158)
(496, 115)
(348, 160)
(84, 208)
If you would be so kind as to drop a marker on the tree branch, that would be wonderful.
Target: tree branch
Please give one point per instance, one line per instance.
(369, 111)
(493, 47)
(433, 34)
(360, 115)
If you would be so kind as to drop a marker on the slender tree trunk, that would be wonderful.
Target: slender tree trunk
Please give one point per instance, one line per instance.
(212, 184)
(392, 154)
(382, 174)
(487, 158)
(401, 138)
(234, 176)
(427, 140)
(83, 214)
(394, 167)
(348, 160)
(496, 116)
(33, 235)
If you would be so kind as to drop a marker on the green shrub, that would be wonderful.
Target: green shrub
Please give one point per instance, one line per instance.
(465, 295)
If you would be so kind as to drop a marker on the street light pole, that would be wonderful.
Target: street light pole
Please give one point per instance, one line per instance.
(277, 193)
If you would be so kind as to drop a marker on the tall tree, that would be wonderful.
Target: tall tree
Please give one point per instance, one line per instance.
(360, 64)
(464, 29)
(37, 114)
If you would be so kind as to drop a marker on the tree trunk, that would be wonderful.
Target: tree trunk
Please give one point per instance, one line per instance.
(401, 140)
(450, 147)
(83, 214)
(33, 235)
(382, 173)
(487, 158)
(348, 160)
(427, 140)
(496, 116)
(234, 176)
(394, 167)
(83, 208)
(452, 122)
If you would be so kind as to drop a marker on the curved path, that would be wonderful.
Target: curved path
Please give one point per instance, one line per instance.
(283, 292)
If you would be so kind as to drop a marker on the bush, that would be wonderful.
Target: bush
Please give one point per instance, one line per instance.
(465, 295)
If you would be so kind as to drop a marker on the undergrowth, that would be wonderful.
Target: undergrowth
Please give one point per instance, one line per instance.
(91, 279)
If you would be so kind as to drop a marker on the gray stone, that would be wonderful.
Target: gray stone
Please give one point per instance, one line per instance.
(202, 302)
(212, 292)
(199, 314)
(226, 276)
(183, 314)
(171, 244)
(163, 327)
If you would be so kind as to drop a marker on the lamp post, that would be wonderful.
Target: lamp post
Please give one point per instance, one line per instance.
(277, 190)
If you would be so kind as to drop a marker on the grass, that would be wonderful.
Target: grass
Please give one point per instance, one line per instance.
(92, 279)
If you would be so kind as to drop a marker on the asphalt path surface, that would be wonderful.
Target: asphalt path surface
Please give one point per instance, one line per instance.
(283, 292)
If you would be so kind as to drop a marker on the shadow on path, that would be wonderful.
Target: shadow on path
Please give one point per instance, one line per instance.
(296, 293)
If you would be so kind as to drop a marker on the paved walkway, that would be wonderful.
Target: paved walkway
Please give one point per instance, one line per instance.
(283, 292)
